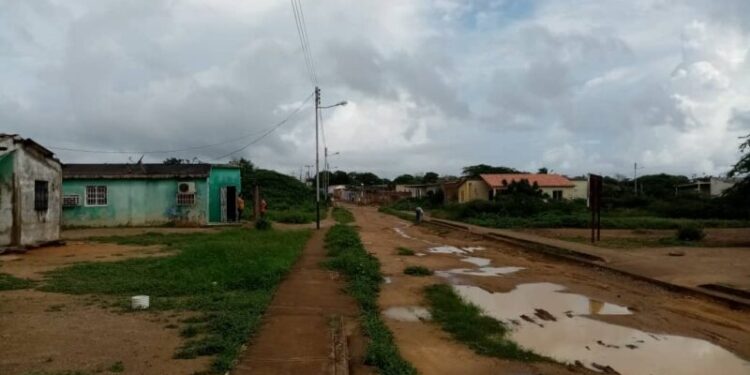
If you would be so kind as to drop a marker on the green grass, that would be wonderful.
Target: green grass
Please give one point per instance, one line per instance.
(466, 324)
(116, 367)
(8, 282)
(348, 255)
(417, 271)
(227, 277)
(404, 251)
(342, 215)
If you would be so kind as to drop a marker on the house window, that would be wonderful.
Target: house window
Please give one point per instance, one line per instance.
(71, 200)
(41, 195)
(185, 199)
(96, 195)
(557, 195)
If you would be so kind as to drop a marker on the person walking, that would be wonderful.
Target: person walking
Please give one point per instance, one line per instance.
(418, 215)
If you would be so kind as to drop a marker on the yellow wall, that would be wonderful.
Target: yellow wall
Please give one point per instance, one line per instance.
(567, 192)
(473, 190)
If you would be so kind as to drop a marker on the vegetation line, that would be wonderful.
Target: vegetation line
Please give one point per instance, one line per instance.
(9, 282)
(348, 255)
(342, 215)
(465, 323)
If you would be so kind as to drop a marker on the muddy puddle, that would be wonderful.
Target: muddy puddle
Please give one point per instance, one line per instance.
(481, 271)
(551, 322)
(481, 262)
(407, 313)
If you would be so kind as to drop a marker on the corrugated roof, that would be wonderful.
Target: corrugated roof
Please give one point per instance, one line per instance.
(135, 171)
(542, 180)
(28, 142)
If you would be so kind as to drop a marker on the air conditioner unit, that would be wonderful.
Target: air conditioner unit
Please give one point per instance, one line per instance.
(186, 187)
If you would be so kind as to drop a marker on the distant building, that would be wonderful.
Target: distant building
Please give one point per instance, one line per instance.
(450, 190)
(418, 190)
(707, 186)
(30, 185)
(580, 188)
(100, 195)
(487, 186)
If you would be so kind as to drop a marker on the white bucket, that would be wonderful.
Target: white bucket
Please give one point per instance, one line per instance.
(139, 302)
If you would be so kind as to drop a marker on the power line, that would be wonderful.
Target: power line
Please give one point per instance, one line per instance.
(234, 139)
(270, 130)
(299, 19)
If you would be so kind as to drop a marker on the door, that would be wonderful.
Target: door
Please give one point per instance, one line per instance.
(223, 199)
(231, 203)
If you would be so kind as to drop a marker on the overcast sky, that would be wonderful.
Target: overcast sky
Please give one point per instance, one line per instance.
(576, 86)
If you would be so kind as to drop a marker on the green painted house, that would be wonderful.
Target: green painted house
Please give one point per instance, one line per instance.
(100, 195)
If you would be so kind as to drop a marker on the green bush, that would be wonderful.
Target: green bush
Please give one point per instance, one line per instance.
(417, 271)
(263, 224)
(690, 233)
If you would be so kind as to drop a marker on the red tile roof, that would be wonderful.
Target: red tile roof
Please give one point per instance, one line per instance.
(542, 180)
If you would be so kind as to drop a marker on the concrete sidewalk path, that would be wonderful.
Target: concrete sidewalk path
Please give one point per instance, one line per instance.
(304, 328)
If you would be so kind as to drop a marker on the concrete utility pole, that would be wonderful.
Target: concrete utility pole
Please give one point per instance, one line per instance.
(317, 161)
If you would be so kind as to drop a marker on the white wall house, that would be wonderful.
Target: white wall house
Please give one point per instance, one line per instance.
(30, 193)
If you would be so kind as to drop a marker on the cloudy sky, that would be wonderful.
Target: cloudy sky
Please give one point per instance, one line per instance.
(577, 86)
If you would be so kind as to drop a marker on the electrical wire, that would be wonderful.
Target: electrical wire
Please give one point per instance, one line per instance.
(269, 131)
(234, 139)
(299, 20)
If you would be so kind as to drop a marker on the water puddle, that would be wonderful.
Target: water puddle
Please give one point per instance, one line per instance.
(558, 325)
(481, 271)
(408, 313)
(446, 250)
(403, 234)
(481, 262)
(472, 249)
(421, 254)
(387, 280)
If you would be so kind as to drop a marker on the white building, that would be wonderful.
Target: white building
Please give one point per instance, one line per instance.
(30, 193)
(709, 186)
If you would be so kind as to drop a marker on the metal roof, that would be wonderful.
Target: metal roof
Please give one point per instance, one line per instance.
(135, 171)
(542, 180)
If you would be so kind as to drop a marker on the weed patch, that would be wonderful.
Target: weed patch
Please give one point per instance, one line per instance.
(404, 251)
(228, 277)
(465, 322)
(8, 282)
(342, 215)
(348, 255)
(417, 271)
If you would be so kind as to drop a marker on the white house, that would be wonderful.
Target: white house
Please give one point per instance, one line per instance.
(30, 193)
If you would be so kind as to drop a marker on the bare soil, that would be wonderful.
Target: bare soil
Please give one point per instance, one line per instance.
(433, 352)
(715, 237)
(695, 265)
(54, 332)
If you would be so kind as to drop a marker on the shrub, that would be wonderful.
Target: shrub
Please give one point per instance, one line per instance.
(690, 233)
(263, 224)
(404, 251)
(417, 271)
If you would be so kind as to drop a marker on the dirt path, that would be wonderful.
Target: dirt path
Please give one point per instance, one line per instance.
(650, 309)
(307, 323)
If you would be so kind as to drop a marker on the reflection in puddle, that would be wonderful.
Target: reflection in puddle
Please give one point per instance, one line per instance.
(408, 313)
(472, 249)
(481, 262)
(555, 324)
(446, 250)
(403, 234)
(387, 280)
(481, 271)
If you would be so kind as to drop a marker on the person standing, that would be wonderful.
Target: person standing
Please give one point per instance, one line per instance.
(418, 214)
(263, 207)
(240, 207)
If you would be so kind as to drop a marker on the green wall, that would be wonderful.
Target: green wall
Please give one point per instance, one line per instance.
(134, 202)
(221, 176)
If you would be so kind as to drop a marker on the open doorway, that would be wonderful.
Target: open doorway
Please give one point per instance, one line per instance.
(231, 204)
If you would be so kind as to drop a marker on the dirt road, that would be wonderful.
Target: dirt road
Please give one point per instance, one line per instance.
(593, 311)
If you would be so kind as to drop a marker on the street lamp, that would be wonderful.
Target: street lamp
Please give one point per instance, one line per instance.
(317, 153)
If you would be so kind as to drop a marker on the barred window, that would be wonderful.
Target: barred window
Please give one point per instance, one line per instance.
(71, 200)
(185, 199)
(41, 195)
(96, 195)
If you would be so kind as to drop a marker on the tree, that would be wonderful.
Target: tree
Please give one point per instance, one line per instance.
(175, 161)
(476, 170)
(522, 187)
(404, 179)
(430, 178)
(738, 196)
(660, 186)
(543, 170)
(339, 178)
